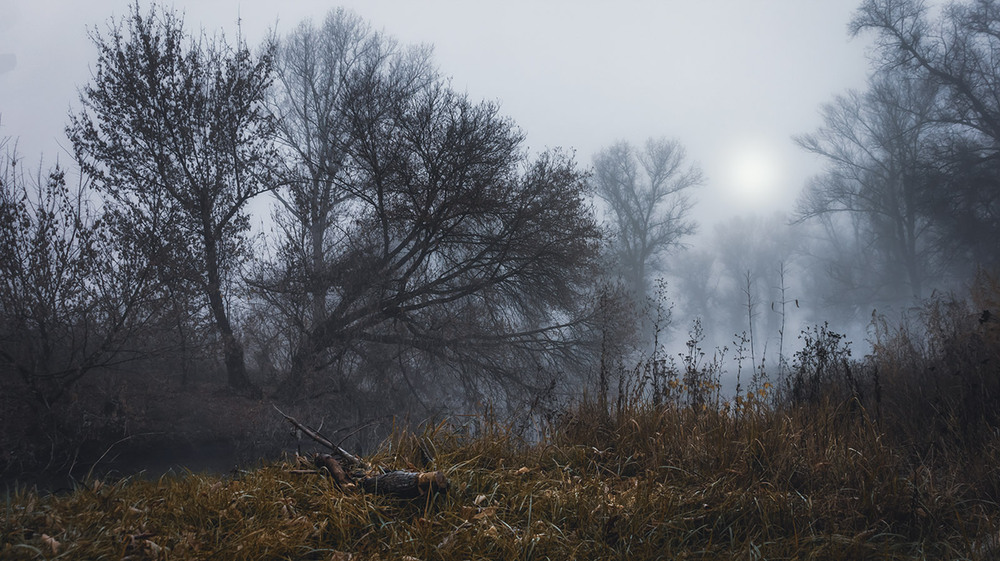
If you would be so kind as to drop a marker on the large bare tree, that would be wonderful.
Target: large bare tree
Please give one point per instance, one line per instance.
(173, 127)
(321, 71)
(647, 192)
(448, 262)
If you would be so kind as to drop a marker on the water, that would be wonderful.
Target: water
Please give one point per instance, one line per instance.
(149, 460)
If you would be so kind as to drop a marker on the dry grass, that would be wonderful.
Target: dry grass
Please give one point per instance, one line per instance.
(650, 483)
(896, 456)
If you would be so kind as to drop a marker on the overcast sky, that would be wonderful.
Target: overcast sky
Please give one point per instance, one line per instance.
(733, 80)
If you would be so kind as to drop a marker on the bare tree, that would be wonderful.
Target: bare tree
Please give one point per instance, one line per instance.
(957, 53)
(456, 256)
(320, 71)
(750, 253)
(73, 296)
(648, 196)
(174, 128)
(875, 145)
(837, 266)
(693, 274)
(423, 255)
(457, 253)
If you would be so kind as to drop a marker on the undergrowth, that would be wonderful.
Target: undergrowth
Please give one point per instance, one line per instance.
(893, 456)
(648, 483)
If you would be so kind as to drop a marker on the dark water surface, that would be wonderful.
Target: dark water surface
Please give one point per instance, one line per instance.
(147, 460)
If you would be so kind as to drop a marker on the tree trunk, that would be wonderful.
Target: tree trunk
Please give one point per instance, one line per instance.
(236, 372)
(302, 377)
(317, 232)
(349, 471)
(399, 484)
(291, 387)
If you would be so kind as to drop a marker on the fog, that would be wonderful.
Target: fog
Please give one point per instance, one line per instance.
(733, 82)
(654, 183)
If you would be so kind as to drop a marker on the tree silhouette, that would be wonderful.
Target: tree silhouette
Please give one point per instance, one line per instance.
(647, 192)
(174, 128)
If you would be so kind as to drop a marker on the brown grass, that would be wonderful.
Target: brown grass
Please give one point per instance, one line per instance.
(651, 483)
(896, 456)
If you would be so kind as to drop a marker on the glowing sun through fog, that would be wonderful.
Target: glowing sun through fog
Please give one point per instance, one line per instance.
(753, 174)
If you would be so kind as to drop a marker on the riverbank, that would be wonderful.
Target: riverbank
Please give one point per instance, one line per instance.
(818, 482)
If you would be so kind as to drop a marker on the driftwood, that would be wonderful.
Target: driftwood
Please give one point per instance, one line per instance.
(345, 457)
(406, 484)
(332, 466)
(350, 472)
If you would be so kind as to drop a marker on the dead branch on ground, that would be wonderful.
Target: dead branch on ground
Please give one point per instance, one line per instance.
(350, 472)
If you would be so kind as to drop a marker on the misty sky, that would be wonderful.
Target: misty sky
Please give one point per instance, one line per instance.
(733, 80)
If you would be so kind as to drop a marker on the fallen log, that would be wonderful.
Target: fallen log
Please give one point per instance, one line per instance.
(350, 472)
(406, 484)
(328, 462)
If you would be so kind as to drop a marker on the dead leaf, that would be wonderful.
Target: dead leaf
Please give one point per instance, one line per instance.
(479, 499)
(523, 470)
(490, 511)
(51, 543)
(340, 556)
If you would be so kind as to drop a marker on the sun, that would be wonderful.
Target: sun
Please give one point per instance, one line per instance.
(753, 173)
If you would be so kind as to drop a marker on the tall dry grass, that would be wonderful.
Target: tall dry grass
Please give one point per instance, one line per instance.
(893, 456)
(817, 482)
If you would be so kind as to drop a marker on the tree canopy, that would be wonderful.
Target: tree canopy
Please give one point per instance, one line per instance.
(417, 233)
(173, 127)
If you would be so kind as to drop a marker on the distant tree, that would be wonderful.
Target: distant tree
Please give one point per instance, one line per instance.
(876, 144)
(648, 196)
(752, 252)
(956, 53)
(694, 276)
(837, 264)
(174, 129)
